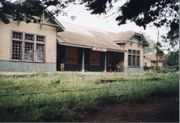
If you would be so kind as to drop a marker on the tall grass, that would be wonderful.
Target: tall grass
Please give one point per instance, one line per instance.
(70, 96)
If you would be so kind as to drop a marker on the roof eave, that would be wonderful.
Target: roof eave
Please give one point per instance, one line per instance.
(72, 45)
(116, 50)
(120, 41)
(61, 27)
(85, 46)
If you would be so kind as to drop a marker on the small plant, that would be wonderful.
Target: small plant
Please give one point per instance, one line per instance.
(40, 72)
(119, 68)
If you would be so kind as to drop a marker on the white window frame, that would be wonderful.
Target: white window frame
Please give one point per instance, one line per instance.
(35, 42)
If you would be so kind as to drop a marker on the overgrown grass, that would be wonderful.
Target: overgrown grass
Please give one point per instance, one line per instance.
(70, 96)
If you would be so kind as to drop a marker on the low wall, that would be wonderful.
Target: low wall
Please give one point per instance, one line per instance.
(13, 66)
(133, 70)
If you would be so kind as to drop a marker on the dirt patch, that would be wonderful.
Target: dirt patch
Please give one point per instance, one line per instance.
(161, 109)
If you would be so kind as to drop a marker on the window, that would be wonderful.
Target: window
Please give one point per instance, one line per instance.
(40, 38)
(17, 50)
(17, 46)
(133, 58)
(29, 37)
(40, 52)
(40, 48)
(17, 35)
(28, 53)
(29, 47)
(26, 48)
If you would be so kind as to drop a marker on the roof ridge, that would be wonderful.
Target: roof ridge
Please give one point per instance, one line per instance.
(93, 28)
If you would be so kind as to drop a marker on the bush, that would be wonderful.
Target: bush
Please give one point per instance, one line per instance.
(165, 70)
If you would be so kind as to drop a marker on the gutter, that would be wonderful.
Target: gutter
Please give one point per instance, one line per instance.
(73, 45)
(88, 47)
(113, 50)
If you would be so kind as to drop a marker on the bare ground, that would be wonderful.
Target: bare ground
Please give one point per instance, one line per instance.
(159, 109)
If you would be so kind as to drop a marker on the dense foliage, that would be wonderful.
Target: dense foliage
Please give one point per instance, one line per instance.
(173, 58)
(27, 10)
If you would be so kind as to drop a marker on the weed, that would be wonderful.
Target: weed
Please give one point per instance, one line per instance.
(70, 96)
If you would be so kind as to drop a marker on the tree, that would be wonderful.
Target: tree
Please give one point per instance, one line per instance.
(142, 12)
(152, 45)
(27, 10)
(173, 58)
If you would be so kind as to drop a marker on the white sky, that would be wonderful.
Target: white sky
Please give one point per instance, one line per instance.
(83, 17)
(102, 22)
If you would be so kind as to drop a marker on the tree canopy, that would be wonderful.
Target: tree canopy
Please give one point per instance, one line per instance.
(152, 45)
(27, 10)
(173, 58)
(142, 12)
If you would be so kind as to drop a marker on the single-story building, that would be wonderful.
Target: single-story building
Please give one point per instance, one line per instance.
(29, 46)
(150, 60)
(52, 46)
(82, 48)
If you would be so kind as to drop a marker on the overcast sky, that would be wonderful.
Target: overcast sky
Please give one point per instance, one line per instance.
(104, 22)
(107, 22)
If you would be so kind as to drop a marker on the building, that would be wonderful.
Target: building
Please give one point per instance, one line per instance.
(150, 61)
(29, 46)
(87, 49)
(52, 46)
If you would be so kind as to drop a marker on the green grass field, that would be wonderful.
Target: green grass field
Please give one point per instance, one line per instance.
(70, 96)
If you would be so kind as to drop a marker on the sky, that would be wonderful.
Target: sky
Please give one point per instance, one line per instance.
(107, 22)
(104, 22)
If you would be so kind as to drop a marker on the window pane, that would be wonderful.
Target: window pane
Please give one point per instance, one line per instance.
(17, 50)
(129, 60)
(138, 61)
(28, 53)
(129, 51)
(134, 60)
(29, 37)
(40, 38)
(138, 52)
(40, 52)
(134, 52)
(17, 35)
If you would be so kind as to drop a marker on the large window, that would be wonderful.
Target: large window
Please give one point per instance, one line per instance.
(28, 47)
(17, 46)
(133, 58)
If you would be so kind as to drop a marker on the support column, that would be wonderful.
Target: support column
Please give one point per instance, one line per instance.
(125, 61)
(105, 62)
(83, 61)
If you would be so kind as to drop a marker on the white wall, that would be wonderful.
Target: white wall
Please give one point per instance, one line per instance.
(6, 32)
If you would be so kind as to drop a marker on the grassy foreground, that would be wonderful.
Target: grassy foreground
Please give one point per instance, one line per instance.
(70, 96)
